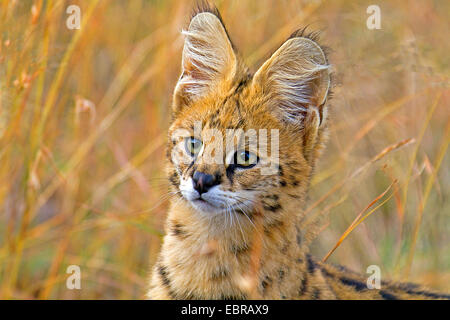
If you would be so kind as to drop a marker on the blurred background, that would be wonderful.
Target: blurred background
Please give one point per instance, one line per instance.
(84, 116)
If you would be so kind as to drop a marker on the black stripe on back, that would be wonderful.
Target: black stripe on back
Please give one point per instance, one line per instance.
(387, 296)
(358, 285)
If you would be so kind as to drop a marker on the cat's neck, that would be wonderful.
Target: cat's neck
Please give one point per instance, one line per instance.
(234, 257)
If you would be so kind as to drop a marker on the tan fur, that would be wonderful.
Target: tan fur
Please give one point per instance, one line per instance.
(263, 252)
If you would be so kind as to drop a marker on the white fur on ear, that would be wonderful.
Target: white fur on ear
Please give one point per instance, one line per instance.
(208, 56)
(297, 77)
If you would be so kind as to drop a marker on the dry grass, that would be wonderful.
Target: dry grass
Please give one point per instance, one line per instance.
(83, 119)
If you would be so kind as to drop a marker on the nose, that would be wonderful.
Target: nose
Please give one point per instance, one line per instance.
(203, 181)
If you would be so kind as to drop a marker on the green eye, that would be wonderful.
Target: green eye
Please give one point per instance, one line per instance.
(245, 159)
(193, 146)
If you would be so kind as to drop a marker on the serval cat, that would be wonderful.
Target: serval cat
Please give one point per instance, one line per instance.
(233, 232)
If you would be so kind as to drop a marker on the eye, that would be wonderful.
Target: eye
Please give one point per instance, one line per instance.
(192, 145)
(245, 159)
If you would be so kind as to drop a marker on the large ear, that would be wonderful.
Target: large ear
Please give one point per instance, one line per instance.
(208, 59)
(296, 79)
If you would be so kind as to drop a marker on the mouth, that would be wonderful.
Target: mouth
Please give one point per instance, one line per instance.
(208, 207)
(204, 205)
(215, 201)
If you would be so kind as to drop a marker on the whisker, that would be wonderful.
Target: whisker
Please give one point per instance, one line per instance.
(237, 218)
(245, 213)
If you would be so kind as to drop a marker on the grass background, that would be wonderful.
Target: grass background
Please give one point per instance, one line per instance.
(84, 114)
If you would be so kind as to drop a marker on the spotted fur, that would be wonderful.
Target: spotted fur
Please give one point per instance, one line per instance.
(252, 242)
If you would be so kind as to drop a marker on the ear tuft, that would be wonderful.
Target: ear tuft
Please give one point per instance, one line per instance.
(205, 6)
(296, 77)
(208, 57)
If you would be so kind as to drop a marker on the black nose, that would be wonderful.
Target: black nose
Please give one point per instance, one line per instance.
(203, 181)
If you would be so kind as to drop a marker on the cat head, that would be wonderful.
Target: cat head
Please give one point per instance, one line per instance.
(238, 139)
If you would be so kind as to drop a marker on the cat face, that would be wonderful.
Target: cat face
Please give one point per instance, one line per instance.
(225, 153)
(239, 139)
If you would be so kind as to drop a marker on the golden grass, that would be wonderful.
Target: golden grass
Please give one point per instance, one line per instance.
(360, 218)
(84, 114)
